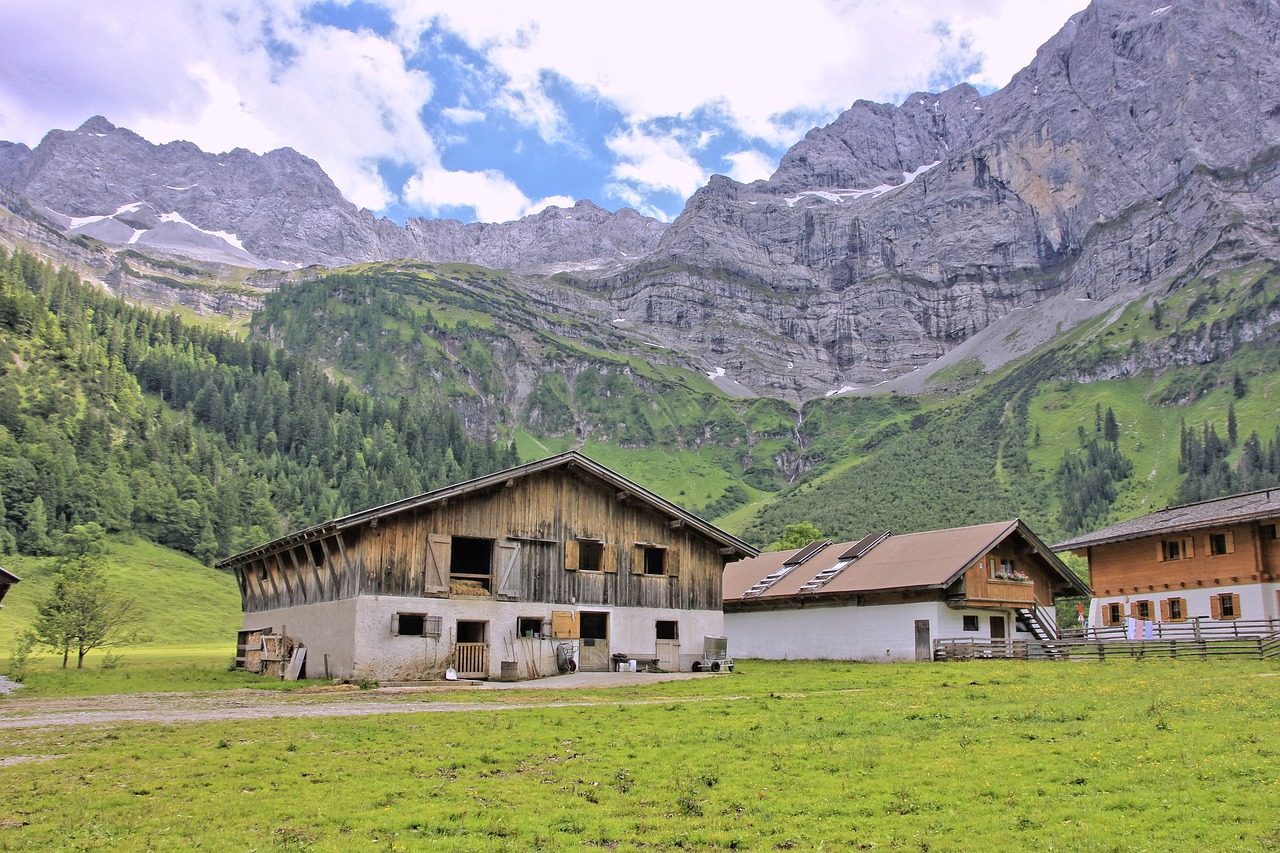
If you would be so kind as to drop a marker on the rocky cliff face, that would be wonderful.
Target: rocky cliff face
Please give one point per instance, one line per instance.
(279, 209)
(1139, 148)
(1142, 144)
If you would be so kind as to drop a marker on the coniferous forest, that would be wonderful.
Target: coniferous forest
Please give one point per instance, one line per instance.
(186, 436)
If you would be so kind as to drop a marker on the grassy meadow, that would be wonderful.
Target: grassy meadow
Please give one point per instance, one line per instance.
(1121, 755)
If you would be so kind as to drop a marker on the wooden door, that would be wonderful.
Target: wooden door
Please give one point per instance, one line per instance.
(997, 628)
(593, 648)
(924, 645)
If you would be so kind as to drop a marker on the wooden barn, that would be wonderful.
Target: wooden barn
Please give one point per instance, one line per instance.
(491, 578)
(7, 579)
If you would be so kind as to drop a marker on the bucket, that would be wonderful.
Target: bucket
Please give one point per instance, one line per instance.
(510, 671)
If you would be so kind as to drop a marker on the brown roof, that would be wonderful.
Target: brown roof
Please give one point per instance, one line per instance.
(1212, 513)
(933, 559)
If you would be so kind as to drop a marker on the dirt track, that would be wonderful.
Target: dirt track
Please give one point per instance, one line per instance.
(17, 712)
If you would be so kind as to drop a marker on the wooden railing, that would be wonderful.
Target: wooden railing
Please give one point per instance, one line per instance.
(1196, 628)
(1219, 645)
(471, 660)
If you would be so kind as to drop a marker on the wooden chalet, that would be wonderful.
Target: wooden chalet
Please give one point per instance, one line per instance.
(888, 597)
(491, 578)
(1215, 561)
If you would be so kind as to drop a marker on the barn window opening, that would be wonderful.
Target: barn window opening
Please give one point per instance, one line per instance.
(590, 555)
(409, 624)
(317, 553)
(529, 626)
(668, 629)
(470, 566)
(655, 561)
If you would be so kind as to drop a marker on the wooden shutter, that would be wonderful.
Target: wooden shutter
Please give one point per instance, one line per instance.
(439, 547)
(1133, 609)
(1188, 548)
(1161, 554)
(1106, 614)
(673, 562)
(608, 558)
(509, 569)
(564, 625)
(1235, 605)
(1164, 610)
(1231, 544)
(637, 559)
(1215, 607)
(571, 555)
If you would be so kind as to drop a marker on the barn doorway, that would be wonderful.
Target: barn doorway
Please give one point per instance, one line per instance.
(924, 645)
(471, 649)
(593, 651)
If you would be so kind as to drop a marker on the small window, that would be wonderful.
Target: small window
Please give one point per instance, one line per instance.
(1173, 610)
(1142, 610)
(655, 561)
(409, 624)
(971, 623)
(668, 630)
(590, 555)
(1220, 543)
(1268, 531)
(1227, 606)
(529, 626)
(1172, 549)
(1113, 614)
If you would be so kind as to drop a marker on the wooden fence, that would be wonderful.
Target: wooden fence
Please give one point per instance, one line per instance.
(1261, 647)
(471, 660)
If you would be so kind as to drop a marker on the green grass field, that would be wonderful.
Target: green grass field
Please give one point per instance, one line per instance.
(1121, 755)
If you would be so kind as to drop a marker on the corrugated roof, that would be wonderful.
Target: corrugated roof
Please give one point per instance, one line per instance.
(571, 459)
(932, 559)
(1250, 506)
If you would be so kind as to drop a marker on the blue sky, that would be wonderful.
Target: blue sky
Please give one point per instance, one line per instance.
(492, 110)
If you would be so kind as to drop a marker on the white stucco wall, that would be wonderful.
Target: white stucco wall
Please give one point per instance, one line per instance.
(356, 634)
(1257, 601)
(874, 633)
(327, 628)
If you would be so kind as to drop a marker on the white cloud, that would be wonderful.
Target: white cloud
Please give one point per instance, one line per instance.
(563, 201)
(750, 166)
(462, 115)
(493, 196)
(655, 163)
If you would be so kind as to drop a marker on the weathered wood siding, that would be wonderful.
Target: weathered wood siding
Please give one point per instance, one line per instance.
(535, 523)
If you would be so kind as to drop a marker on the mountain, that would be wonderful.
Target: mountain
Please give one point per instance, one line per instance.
(1139, 151)
(278, 210)
(1140, 147)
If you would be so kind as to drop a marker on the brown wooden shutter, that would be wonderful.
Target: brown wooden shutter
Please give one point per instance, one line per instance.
(564, 625)
(673, 562)
(1188, 547)
(1235, 605)
(436, 579)
(1164, 610)
(608, 558)
(637, 559)
(1133, 609)
(1160, 552)
(571, 555)
(1106, 614)
(1215, 607)
(1231, 542)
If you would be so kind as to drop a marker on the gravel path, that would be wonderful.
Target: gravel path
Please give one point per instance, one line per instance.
(241, 704)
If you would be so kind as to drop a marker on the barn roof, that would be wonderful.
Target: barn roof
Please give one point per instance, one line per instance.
(879, 563)
(570, 461)
(1234, 509)
(7, 579)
